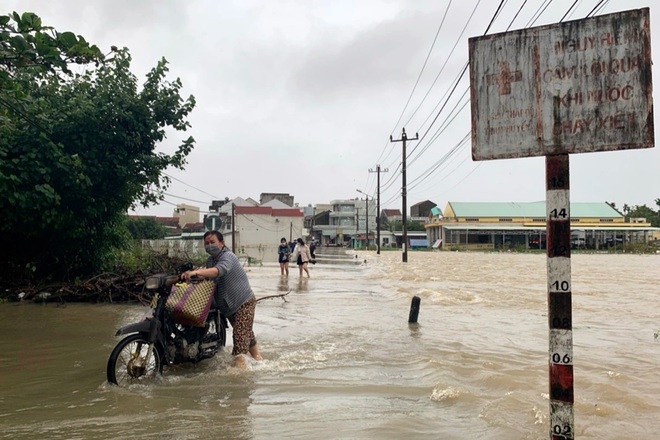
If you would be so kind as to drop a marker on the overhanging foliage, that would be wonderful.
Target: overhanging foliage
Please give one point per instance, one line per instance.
(77, 150)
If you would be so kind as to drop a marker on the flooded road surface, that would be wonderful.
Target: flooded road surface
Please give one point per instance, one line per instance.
(342, 362)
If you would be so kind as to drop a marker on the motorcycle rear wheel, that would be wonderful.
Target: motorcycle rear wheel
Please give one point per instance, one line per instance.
(220, 328)
(127, 366)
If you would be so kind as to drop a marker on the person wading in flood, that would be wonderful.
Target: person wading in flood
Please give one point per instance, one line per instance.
(303, 256)
(283, 254)
(233, 294)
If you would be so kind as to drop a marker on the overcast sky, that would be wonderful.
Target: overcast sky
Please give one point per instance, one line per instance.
(301, 97)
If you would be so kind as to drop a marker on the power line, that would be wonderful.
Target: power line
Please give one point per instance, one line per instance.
(538, 14)
(569, 10)
(187, 184)
(416, 83)
(185, 198)
(258, 225)
(495, 15)
(390, 181)
(420, 73)
(446, 159)
(598, 7)
(446, 97)
(456, 111)
(516, 16)
(418, 77)
(426, 146)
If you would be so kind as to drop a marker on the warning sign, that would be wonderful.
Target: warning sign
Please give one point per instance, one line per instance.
(573, 87)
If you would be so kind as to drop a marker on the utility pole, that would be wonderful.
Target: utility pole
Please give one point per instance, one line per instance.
(357, 225)
(311, 230)
(404, 215)
(233, 228)
(366, 198)
(378, 171)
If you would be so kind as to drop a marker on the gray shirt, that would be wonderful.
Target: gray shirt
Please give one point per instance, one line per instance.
(232, 288)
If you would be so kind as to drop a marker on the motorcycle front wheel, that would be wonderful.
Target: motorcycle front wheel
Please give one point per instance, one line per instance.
(128, 364)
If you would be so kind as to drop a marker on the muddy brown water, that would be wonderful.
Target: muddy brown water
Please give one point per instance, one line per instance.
(342, 362)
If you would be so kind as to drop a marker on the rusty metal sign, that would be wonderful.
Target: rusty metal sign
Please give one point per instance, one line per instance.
(573, 87)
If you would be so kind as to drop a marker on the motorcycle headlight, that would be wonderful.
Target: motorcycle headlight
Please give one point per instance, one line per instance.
(152, 283)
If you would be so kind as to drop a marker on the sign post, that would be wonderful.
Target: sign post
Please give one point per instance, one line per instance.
(574, 87)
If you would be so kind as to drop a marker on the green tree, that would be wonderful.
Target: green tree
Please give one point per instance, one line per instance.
(145, 228)
(26, 43)
(397, 225)
(643, 211)
(77, 150)
(416, 226)
(393, 225)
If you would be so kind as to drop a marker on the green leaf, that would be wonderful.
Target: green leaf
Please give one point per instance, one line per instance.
(28, 19)
(68, 39)
(18, 43)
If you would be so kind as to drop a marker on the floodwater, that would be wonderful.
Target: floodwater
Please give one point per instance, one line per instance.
(342, 362)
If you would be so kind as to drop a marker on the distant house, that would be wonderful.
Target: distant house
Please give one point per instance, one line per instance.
(390, 215)
(285, 198)
(422, 209)
(193, 227)
(171, 224)
(186, 214)
(258, 229)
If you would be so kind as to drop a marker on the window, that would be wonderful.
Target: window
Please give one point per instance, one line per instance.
(471, 219)
(606, 220)
(506, 219)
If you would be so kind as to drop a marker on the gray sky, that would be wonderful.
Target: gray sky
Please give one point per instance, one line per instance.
(301, 97)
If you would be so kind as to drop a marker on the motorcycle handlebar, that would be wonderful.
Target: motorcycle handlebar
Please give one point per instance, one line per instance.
(185, 267)
(192, 279)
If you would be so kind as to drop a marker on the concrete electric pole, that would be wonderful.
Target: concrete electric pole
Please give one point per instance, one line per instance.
(404, 215)
(378, 171)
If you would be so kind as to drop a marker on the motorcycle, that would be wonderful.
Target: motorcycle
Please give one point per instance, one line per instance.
(157, 340)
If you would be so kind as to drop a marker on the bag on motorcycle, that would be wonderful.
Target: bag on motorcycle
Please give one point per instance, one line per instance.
(189, 304)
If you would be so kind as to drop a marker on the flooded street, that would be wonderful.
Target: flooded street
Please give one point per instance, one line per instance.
(341, 360)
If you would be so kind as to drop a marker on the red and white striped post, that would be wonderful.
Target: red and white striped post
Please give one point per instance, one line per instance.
(560, 313)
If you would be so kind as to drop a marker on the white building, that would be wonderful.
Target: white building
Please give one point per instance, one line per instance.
(259, 229)
(347, 222)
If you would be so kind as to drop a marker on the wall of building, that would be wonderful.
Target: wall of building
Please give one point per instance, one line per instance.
(186, 214)
(259, 235)
(282, 197)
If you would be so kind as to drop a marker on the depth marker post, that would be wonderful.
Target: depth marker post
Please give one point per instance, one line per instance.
(560, 315)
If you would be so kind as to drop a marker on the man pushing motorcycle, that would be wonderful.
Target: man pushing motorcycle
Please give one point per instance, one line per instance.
(233, 295)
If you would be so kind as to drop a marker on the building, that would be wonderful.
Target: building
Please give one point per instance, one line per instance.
(285, 198)
(345, 223)
(506, 225)
(259, 229)
(186, 214)
(171, 224)
(422, 209)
